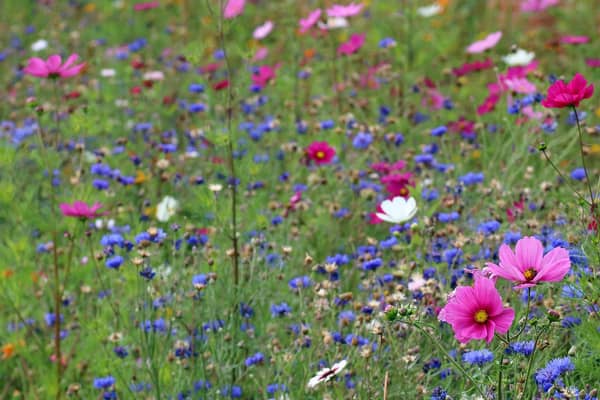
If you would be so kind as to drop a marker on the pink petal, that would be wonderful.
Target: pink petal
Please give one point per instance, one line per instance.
(529, 253)
(487, 296)
(589, 92)
(72, 58)
(36, 67)
(510, 263)
(504, 320)
(53, 63)
(233, 8)
(556, 264)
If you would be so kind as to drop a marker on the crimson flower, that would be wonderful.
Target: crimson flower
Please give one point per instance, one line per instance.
(53, 68)
(562, 94)
(320, 152)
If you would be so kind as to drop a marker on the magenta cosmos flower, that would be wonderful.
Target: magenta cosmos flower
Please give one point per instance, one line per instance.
(80, 209)
(53, 68)
(477, 312)
(320, 152)
(353, 44)
(528, 265)
(562, 94)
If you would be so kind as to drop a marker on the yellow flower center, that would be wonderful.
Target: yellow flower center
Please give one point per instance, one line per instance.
(320, 155)
(529, 274)
(481, 316)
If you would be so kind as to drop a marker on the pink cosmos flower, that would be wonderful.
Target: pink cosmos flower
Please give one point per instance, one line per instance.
(340, 11)
(263, 30)
(260, 54)
(353, 44)
(537, 5)
(570, 39)
(397, 184)
(320, 152)
(310, 21)
(385, 168)
(519, 85)
(148, 5)
(562, 94)
(485, 44)
(233, 8)
(477, 312)
(80, 209)
(528, 265)
(53, 68)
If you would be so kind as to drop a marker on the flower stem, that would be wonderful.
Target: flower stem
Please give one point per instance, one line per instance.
(560, 174)
(449, 357)
(530, 363)
(585, 169)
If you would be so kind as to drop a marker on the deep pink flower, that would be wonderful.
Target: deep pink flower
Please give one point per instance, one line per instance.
(320, 152)
(477, 312)
(148, 5)
(385, 168)
(593, 62)
(571, 39)
(485, 44)
(353, 44)
(562, 94)
(53, 68)
(310, 21)
(489, 104)
(528, 265)
(233, 8)
(537, 5)
(264, 75)
(474, 66)
(397, 184)
(340, 11)
(80, 209)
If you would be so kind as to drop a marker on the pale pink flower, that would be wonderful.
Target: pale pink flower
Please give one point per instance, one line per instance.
(485, 44)
(528, 265)
(263, 30)
(148, 5)
(476, 312)
(310, 21)
(260, 54)
(519, 85)
(338, 10)
(233, 8)
(53, 68)
(537, 5)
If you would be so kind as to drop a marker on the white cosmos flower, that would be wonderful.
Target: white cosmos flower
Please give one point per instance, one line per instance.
(519, 57)
(429, 11)
(39, 45)
(326, 374)
(334, 23)
(166, 208)
(107, 72)
(398, 210)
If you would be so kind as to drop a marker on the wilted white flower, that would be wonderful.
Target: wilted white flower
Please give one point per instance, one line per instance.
(519, 57)
(398, 210)
(429, 11)
(327, 374)
(154, 76)
(166, 208)
(39, 45)
(215, 187)
(107, 73)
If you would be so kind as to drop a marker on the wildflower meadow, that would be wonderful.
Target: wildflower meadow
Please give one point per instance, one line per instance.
(286, 199)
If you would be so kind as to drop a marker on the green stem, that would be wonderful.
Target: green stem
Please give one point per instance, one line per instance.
(530, 363)
(585, 169)
(564, 178)
(449, 357)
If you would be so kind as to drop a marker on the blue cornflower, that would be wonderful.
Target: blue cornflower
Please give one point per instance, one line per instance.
(432, 364)
(578, 174)
(346, 317)
(550, 374)
(372, 265)
(104, 382)
(362, 140)
(147, 273)
(112, 239)
(523, 348)
(120, 351)
(478, 357)
(100, 184)
(280, 310)
(570, 321)
(196, 88)
(299, 282)
(231, 391)
(471, 178)
(488, 227)
(386, 42)
(438, 393)
(114, 262)
(327, 124)
(200, 281)
(254, 359)
(439, 131)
